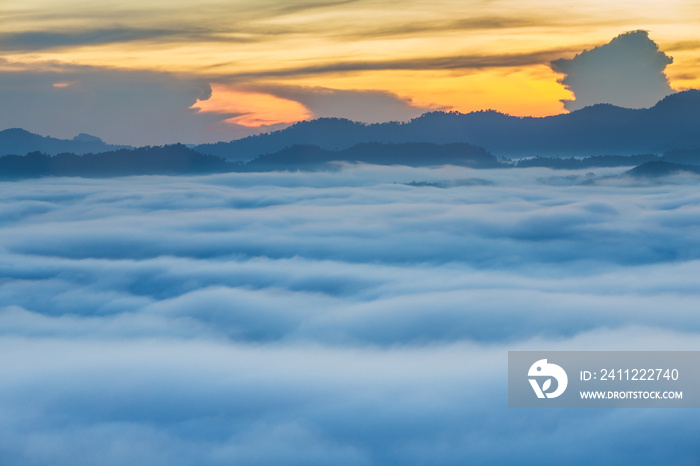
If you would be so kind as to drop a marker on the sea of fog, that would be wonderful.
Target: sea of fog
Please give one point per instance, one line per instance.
(360, 316)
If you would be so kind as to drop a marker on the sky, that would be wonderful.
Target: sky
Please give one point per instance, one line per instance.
(341, 317)
(346, 317)
(152, 71)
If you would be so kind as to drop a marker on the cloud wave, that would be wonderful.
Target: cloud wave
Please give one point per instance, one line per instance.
(334, 318)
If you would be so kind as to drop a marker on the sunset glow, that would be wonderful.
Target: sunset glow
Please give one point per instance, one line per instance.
(449, 54)
(252, 109)
(349, 232)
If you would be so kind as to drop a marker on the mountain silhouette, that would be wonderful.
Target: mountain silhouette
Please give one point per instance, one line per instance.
(19, 142)
(674, 122)
(485, 139)
(595, 161)
(179, 159)
(661, 168)
(176, 159)
(307, 157)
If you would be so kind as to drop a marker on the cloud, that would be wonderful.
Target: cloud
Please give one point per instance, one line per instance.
(125, 22)
(461, 24)
(211, 403)
(346, 256)
(450, 62)
(628, 72)
(683, 46)
(221, 22)
(334, 318)
(252, 109)
(124, 107)
(43, 40)
(369, 106)
(150, 108)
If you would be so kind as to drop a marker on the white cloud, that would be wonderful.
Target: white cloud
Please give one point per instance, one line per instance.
(333, 318)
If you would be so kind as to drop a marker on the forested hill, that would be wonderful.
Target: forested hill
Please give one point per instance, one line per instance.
(20, 141)
(674, 122)
(178, 159)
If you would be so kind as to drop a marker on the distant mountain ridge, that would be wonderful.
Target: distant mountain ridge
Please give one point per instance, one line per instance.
(17, 141)
(659, 168)
(178, 159)
(673, 122)
(305, 157)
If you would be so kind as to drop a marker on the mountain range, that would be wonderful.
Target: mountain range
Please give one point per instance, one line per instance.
(17, 141)
(178, 159)
(418, 154)
(669, 132)
(674, 122)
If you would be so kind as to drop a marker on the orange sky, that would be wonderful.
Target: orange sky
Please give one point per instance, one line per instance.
(445, 54)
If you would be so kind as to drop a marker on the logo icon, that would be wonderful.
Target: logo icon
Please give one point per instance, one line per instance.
(542, 369)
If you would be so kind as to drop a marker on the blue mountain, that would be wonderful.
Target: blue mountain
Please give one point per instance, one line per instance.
(306, 157)
(17, 141)
(659, 168)
(674, 122)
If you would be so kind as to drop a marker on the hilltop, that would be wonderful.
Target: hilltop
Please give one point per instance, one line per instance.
(19, 141)
(674, 122)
